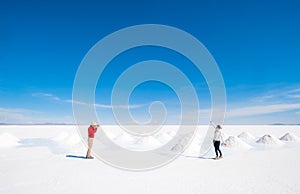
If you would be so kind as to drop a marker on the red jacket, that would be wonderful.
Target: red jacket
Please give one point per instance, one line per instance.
(92, 131)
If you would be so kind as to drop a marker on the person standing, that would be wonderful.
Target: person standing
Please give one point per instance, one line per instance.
(91, 134)
(218, 137)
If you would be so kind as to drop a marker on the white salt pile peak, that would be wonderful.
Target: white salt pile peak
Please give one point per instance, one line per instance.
(289, 137)
(269, 140)
(246, 136)
(8, 140)
(235, 142)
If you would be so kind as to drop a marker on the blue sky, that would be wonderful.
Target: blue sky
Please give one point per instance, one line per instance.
(255, 43)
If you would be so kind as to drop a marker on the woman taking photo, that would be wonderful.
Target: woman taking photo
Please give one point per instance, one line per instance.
(218, 137)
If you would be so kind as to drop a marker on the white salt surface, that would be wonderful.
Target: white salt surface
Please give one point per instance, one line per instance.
(61, 136)
(8, 140)
(48, 159)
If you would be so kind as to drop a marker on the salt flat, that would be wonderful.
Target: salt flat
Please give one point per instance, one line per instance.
(48, 159)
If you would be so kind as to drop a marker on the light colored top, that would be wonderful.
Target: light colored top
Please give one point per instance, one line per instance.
(218, 136)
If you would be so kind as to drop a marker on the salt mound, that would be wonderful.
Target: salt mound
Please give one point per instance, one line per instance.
(269, 140)
(236, 142)
(8, 140)
(246, 136)
(289, 137)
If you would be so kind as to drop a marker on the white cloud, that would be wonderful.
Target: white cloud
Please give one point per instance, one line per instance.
(259, 110)
(27, 116)
(47, 95)
(278, 94)
(13, 115)
(120, 106)
(53, 97)
(293, 95)
(75, 102)
(108, 106)
(42, 94)
(296, 90)
(281, 100)
(261, 99)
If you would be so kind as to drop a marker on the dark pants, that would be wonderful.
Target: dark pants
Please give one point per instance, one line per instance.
(217, 148)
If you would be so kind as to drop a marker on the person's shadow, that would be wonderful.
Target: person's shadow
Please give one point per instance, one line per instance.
(201, 157)
(74, 156)
(208, 158)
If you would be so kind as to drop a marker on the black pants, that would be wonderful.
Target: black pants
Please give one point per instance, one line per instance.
(217, 148)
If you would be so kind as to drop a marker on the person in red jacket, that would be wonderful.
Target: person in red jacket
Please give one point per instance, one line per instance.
(91, 132)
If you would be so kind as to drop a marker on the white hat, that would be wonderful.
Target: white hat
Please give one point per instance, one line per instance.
(94, 123)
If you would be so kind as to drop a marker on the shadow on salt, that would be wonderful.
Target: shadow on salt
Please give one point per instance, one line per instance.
(41, 142)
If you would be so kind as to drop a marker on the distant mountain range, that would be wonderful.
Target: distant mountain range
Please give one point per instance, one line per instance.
(283, 124)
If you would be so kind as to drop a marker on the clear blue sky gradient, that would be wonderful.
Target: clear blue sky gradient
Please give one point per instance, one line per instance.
(255, 43)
